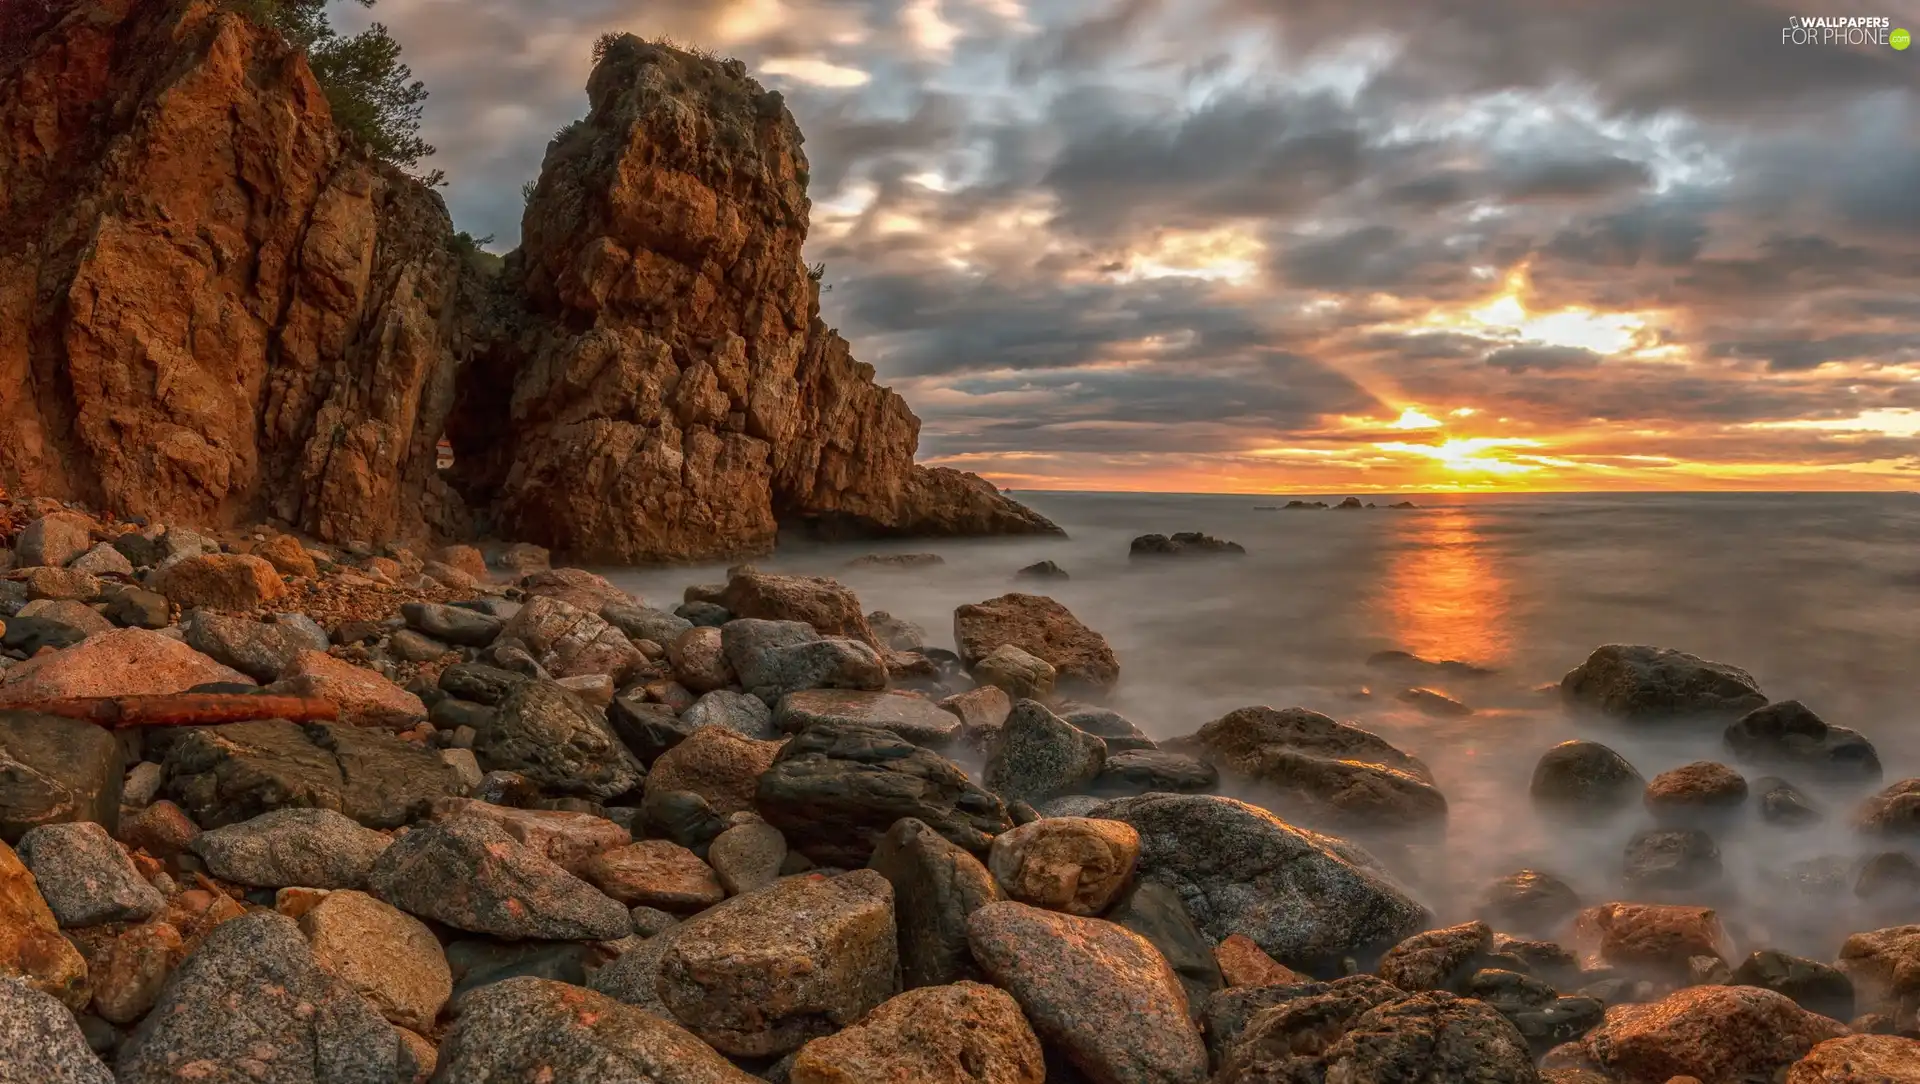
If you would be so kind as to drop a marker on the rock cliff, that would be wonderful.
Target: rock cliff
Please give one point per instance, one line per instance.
(215, 309)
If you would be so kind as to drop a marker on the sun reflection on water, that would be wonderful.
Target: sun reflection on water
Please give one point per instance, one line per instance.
(1444, 594)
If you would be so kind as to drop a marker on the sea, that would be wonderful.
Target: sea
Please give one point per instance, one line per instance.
(1817, 595)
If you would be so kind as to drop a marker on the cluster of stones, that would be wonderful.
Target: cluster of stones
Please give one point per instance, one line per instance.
(592, 841)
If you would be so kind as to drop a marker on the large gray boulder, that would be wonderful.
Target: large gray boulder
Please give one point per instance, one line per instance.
(471, 874)
(39, 1041)
(774, 658)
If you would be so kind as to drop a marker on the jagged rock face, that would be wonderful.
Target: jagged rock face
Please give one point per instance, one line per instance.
(212, 309)
(662, 387)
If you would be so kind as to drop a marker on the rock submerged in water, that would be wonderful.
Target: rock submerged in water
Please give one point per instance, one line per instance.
(1578, 775)
(1788, 733)
(1183, 544)
(1636, 683)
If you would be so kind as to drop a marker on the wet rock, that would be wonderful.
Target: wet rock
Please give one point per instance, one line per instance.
(1043, 570)
(1577, 776)
(53, 540)
(470, 874)
(521, 1029)
(569, 641)
(1718, 1033)
(1530, 901)
(718, 764)
(567, 839)
(547, 733)
(1893, 812)
(1636, 683)
(1147, 771)
(827, 605)
(41, 1043)
(766, 972)
(937, 885)
(1432, 1036)
(124, 662)
(982, 711)
(835, 789)
(1783, 803)
(310, 848)
(743, 714)
(481, 684)
(1099, 992)
(699, 659)
(748, 857)
(85, 877)
(1039, 755)
(1323, 771)
(1043, 629)
(1183, 544)
(1315, 1012)
(258, 650)
(1307, 899)
(55, 771)
(958, 1034)
(1071, 864)
(161, 829)
(1675, 860)
(390, 958)
(1788, 733)
(1653, 938)
(1154, 911)
(31, 947)
(912, 717)
(655, 873)
(223, 775)
(774, 658)
(645, 622)
(1242, 963)
(1859, 1059)
(252, 997)
(219, 581)
(1885, 968)
(1695, 791)
(1812, 985)
(1020, 675)
(1437, 959)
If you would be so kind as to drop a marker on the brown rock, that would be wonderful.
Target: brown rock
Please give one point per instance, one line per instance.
(1860, 1059)
(390, 957)
(1436, 959)
(129, 971)
(569, 641)
(1100, 992)
(162, 829)
(30, 942)
(288, 557)
(1042, 628)
(568, 840)
(966, 1033)
(1716, 1033)
(1894, 811)
(700, 660)
(655, 873)
(1652, 937)
(1885, 968)
(1243, 963)
(1072, 864)
(574, 586)
(54, 540)
(1698, 788)
(61, 584)
(124, 662)
(830, 607)
(76, 615)
(467, 559)
(721, 765)
(220, 581)
(364, 697)
(1020, 675)
(295, 902)
(449, 576)
(982, 711)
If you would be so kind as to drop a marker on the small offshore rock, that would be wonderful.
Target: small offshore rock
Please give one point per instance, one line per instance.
(1696, 789)
(1042, 570)
(1674, 860)
(1042, 628)
(1636, 683)
(1789, 733)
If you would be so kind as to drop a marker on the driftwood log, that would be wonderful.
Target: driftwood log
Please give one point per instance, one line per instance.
(188, 709)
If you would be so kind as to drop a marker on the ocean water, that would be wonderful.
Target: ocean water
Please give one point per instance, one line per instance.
(1816, 595)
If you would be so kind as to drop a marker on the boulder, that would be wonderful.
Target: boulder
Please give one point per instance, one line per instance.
(1585, 776)
(124, 662)
(1860, 1059)
(547, 733)
(1789, 734)
(53, 540)
(982, 711)
(223, 775)
(1699, 790)
(699, 659)
(61, 584)
(748, 857)
(219, 581)
(1653, 939)
(1308, 900)
(470, 874)
(390, 958)
(567, 839)
(1147, 771)
(1531, 902)
(1042, 628)
(523, 1028)
(720, 765)
(1184, 544)
(569, 641)
(896, 633)
(287, 556)
(1437, 959)
(1119, 732)
(287, 848)
(1154, 911)
(1426, 1037)
(1714, 1033)
(31, 947)
(42, 1044)
(936, 886)
(1677, 860)
(645, 623)
(1783, 803)
(1039, 756)
(913, 718)
(1885, 968)
(1242, 963)
(132, 607)
(1018, 674)
(960, 1034)
(1264, 1033)
(1071, 864)
(452, 624)
(835, 789)
(574, 586)
(252, 996)
(1042, 570)
(363, 696)
(1812, 985)
(827, 605)
(55, 770)
(769, 971)
(1893, 812)
(774, 658)
(1636, 683)
(1099, 992)
(1321, 771)
(655, 873)
(85, 877)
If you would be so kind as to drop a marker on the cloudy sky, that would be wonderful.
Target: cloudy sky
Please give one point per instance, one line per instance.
(1324, 246)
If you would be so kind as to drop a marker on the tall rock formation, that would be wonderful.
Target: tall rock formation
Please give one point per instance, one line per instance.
(214, 309)
(211, 308)
(663, 387)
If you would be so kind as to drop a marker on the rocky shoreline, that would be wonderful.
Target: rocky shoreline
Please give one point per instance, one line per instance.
(531, 829)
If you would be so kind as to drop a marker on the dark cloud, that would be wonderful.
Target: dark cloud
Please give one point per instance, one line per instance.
(1521, 359)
